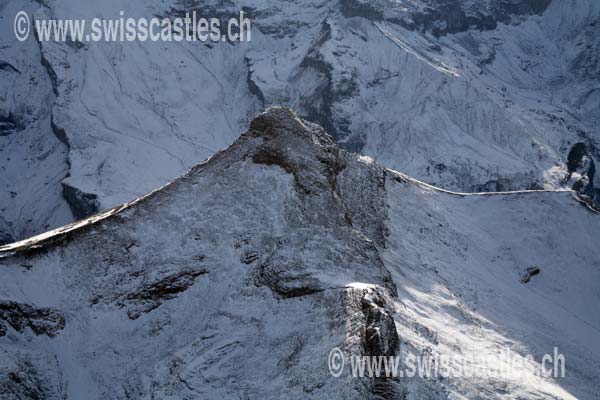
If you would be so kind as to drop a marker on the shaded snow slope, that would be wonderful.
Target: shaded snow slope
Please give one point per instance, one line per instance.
(33, 161)
(459, 264)
(466, 95)
(237, 279)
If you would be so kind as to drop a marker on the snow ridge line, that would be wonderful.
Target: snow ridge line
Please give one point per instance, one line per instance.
(43, 239)
(462, 194)
(39, 241)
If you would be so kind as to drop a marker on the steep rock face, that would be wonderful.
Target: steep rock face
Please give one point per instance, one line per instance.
(42, 321)
(81, 204)
(455, 16)
(581, 170)
(467, 95)
(30, 377)
(239, 278)
(280, 230)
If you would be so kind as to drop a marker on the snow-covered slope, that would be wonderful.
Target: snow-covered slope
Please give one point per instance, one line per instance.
(237, 279)
(467, 95)
(32, 160)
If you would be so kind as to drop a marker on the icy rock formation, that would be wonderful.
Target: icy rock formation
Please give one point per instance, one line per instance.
(237, 280)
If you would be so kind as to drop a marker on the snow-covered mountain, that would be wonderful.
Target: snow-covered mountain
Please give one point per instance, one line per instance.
(237, 279)
(468, 95)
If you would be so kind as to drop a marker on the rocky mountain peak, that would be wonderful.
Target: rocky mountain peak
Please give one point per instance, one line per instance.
(243, 274)
(279, 121)
(280, 218)
(299, 147)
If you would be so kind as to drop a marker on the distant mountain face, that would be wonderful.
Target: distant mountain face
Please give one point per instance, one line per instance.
(441, 17)
(467, 95)
(239, 278)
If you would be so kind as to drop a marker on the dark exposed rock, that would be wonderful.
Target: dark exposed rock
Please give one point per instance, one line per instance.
(82, 204)
(287, 279)
(587, 62)
(320, 171)
(24, 375)
(310, 177)
(42, 321)
(277, 122)
(318, 104)
(270, 156)
(381, 337)
(358, 8)
(51, 73)
(6, 129)
(9, 124)
(580, 161)
(6, 66)
(441, 17)
(327, 198)
(588, 202)
(366, 209)
(23, 383)
(151, 295)
(75, 44)
(575, 157)
(59, 132)
(372, 332)
(504, 184)
(249, 256)
(252, 86)
(529, 273)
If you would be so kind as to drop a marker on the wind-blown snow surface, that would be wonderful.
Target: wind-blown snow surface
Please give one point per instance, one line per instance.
(467, 95)
(237, 279)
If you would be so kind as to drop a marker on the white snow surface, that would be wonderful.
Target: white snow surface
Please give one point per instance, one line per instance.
(285, 246)
(474, 110)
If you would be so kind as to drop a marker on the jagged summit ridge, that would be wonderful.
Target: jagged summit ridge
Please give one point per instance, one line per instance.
(278, 120)
(276, 137)
(274, 119)
(275, 222)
